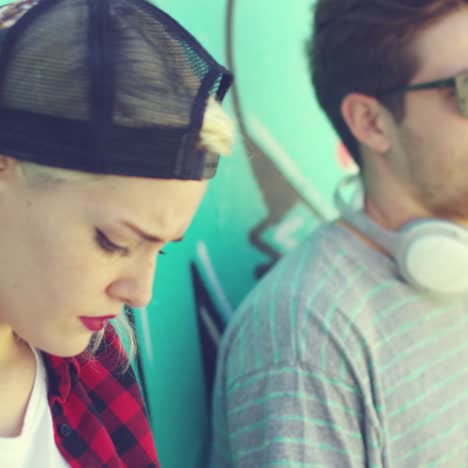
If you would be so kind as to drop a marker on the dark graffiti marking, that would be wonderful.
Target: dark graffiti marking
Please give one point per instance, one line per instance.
(210, 326)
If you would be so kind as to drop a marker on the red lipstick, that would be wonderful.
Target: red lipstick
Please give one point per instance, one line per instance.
(95, 324)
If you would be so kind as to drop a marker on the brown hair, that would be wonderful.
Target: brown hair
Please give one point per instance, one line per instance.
(365, 46)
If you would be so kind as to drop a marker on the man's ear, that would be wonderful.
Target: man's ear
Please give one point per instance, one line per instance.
(367, 121)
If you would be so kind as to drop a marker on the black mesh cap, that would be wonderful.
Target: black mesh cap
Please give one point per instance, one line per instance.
(105, 86)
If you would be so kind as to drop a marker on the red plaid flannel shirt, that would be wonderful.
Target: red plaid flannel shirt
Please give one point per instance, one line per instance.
(97, 409)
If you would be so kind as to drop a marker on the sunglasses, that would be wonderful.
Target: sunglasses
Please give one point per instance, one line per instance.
(458, 83)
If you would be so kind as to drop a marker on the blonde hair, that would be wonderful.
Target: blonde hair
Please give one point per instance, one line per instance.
(216, 136)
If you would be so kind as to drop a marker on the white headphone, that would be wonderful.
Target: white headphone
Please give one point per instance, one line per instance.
(431, 254)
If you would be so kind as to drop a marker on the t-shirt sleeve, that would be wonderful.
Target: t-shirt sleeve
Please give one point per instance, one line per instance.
(292, 416)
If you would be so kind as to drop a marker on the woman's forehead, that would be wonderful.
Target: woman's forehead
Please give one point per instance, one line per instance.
(161, 207)
(142, 189)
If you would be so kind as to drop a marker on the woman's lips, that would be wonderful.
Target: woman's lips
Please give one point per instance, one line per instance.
(95, 323)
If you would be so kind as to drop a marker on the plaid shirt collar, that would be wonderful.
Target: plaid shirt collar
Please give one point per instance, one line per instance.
(60, 385)
(97, 409)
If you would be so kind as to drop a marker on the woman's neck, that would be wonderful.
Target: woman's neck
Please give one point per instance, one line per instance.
(18, 370)
(9, 347)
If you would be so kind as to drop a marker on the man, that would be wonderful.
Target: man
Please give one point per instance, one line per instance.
(353, 351)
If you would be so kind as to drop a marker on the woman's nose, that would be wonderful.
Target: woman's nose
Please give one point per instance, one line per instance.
(134, 286)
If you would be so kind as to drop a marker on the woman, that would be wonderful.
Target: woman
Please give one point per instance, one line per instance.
(110, 127)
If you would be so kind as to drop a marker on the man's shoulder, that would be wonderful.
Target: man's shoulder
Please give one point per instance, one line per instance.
(311, 295)
(312, 273)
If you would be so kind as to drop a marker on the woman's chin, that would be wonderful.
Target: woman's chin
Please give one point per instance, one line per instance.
(66, 348)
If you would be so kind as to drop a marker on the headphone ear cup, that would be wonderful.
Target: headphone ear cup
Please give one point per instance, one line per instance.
(432, 255)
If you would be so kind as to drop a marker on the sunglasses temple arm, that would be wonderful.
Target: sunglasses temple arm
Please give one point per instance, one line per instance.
(448, 83)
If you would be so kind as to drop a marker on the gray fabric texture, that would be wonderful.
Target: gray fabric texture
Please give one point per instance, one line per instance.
(333, 361)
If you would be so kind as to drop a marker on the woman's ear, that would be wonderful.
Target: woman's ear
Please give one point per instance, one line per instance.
(367, 121)
(3, 162)
(7, 170)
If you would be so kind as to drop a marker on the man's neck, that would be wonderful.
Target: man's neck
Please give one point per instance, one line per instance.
(392, 204)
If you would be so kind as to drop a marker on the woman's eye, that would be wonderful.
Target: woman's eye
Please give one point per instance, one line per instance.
(107, 245)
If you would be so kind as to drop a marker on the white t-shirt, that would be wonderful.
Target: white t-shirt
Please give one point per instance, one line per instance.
(35, 446)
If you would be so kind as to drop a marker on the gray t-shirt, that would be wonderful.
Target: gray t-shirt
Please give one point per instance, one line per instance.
(333, 361)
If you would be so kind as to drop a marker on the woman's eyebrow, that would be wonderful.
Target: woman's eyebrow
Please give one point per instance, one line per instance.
(149, 237)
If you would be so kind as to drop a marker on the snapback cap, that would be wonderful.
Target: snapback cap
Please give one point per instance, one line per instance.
(105, 86)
